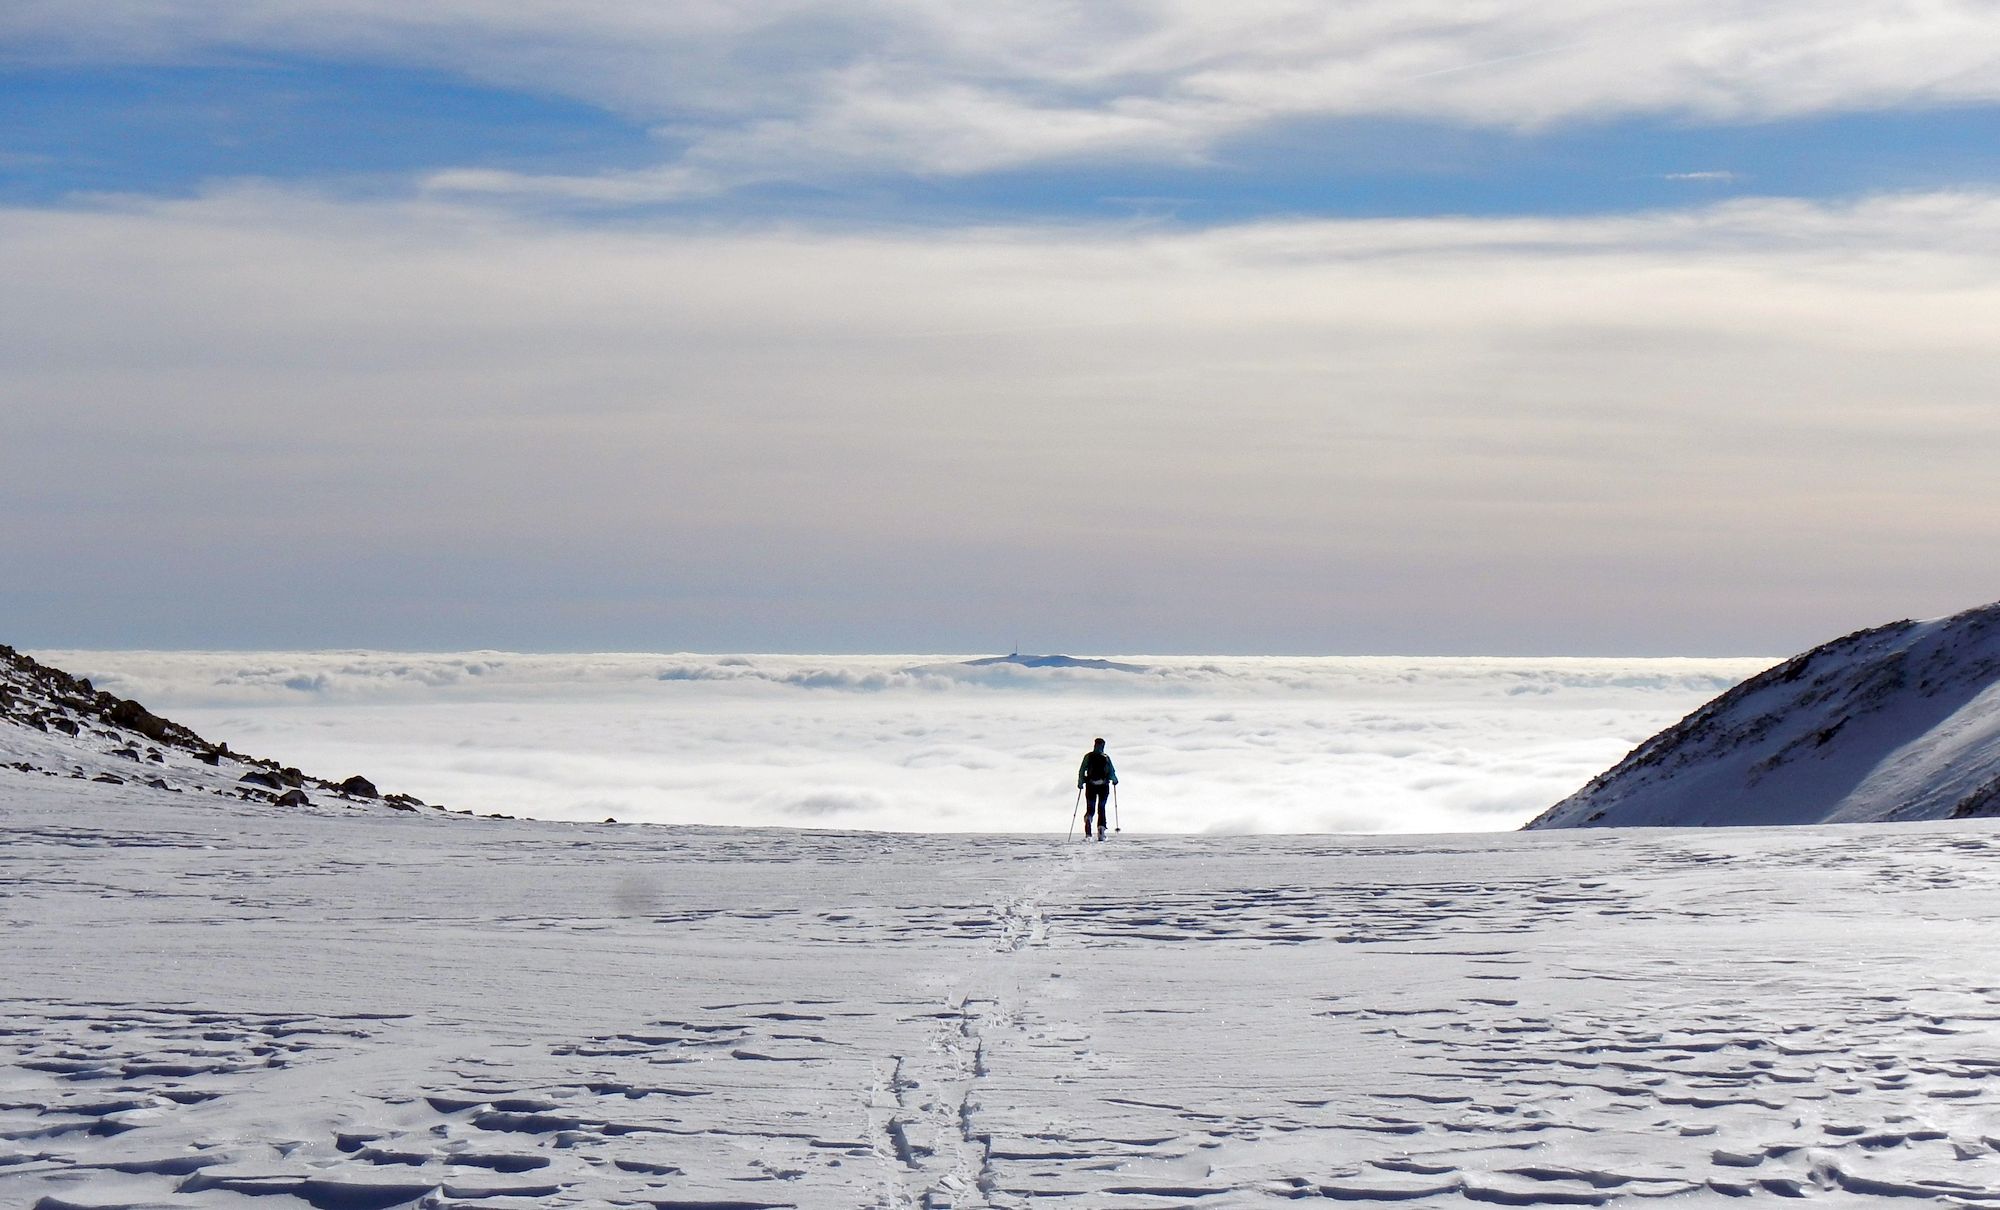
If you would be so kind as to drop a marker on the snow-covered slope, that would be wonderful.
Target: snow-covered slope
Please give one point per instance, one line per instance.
(211, 1000)
(1900, 722)
(217, 1004)
(55, 725)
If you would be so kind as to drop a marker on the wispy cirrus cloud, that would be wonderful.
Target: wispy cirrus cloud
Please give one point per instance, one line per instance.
(747, 92)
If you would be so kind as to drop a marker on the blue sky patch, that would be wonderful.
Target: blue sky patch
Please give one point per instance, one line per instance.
(1380, 168)
(167, 130)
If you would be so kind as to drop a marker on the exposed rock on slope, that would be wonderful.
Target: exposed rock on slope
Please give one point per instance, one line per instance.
(1896, 723)
(56, 725)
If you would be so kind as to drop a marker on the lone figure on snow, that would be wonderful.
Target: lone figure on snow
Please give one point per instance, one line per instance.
(1095, 777)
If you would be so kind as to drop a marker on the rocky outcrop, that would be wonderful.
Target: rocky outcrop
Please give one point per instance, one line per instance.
(1897, 722)
(34, 693)
(80, 731)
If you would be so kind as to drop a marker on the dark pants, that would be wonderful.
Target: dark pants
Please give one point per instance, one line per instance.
(1094, 796)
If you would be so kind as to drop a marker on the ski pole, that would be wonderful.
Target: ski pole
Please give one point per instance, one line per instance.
(1072, 814)
(1118, 822)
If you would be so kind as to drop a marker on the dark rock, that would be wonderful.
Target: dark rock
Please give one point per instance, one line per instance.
(65, 725)
(401, 806)
(127, 753)
(609, 819)
(134, 717)
(156, 756)
(109, 779)
(258, 777)
(359, 787)
(291, 777)
(294, 798)
(209, 758)
(1982, 801)
(159, 783)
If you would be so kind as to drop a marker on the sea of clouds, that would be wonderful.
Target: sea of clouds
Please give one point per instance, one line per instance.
(1210, 744)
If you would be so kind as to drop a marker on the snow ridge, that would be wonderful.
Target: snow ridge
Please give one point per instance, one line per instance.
(1896, 722)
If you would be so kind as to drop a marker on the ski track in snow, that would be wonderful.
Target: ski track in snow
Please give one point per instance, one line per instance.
(224, 1004)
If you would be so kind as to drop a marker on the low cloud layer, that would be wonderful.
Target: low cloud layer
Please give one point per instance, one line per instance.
(1221, 744)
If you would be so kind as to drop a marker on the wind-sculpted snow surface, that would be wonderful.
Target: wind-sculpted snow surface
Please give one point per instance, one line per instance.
(217, 1004)
(1895, 723)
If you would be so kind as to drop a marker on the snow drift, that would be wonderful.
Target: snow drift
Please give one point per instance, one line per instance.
(1900, 722)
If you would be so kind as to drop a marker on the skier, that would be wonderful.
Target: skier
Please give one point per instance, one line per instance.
(1095, 777)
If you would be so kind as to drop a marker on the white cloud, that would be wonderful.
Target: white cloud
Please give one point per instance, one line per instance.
(222, 679)
(783, 90)
(1229, 744)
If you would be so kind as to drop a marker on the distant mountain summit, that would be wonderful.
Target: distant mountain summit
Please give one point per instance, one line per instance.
(1012, 669)
(1050, 661)
(1901, 722)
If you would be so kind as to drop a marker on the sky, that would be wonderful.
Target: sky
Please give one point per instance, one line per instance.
(1574, 327)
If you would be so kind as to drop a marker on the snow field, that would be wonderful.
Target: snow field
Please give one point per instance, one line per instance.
(218, 1003)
